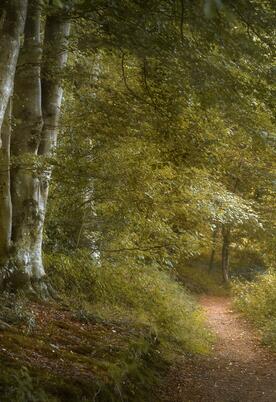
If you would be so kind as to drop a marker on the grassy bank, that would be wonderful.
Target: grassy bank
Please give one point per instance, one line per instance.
(110, 339)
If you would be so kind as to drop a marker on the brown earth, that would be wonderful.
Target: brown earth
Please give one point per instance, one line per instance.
(237, 370)
(69, 356)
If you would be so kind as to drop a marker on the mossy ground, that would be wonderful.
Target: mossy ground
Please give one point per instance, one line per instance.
(64, 358)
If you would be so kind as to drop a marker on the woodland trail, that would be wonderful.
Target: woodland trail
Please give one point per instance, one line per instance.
(238, 369)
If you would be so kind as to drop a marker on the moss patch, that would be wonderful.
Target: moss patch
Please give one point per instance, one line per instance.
(64, 359)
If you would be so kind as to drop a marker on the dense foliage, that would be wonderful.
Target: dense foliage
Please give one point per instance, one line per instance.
(162, 146)
(166, 151)
(258, 301)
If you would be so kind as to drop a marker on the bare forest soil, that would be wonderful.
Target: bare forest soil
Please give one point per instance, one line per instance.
(237, 370)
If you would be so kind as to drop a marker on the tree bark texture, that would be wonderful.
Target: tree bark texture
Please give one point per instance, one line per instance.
(12, 21)
(35, 114)
(13, 13)
(27, 116)
(54, 60)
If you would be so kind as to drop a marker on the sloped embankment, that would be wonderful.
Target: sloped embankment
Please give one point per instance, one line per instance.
(69, 357)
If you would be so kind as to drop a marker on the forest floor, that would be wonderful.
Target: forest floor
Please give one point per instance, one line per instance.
(237, 370)
(70, 356)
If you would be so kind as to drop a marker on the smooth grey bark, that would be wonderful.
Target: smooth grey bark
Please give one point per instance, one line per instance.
(27, 114)
(35, 117)
(12, 21)
(225, 254)
(11, 28)
(55, 53)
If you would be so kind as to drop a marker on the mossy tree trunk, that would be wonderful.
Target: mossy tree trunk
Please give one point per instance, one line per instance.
(35, 112)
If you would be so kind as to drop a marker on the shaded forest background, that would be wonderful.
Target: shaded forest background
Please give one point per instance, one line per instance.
(162, 185)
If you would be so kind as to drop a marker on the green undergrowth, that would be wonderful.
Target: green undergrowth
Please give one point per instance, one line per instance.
(257, 300)
(142, 294)
(112, 337)
(197, 279)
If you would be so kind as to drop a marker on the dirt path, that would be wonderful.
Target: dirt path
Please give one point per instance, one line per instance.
(238, 370)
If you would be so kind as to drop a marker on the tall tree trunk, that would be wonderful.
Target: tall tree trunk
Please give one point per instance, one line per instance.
(212, 256)
(57, 31)
(225, 254)
(27, 113)
(54, 60)
(12, 21)
(33, 139)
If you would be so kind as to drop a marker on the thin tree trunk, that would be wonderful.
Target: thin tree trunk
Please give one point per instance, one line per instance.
(226, 243)
(213, 252)
(27, 113)
(225, 254)
(5, 195)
